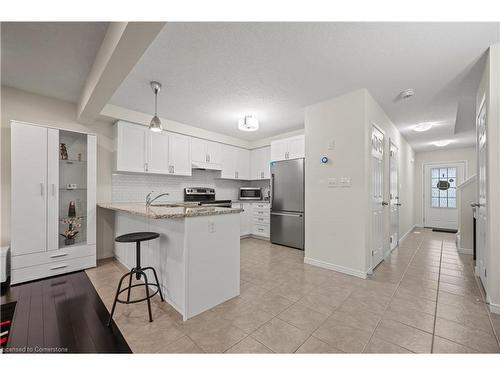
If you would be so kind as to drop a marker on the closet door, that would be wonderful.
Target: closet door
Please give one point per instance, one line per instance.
(28, 189)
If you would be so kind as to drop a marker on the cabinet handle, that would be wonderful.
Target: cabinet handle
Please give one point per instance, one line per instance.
(173, 168)
(59, 267)
(146, 167)
(59, 255)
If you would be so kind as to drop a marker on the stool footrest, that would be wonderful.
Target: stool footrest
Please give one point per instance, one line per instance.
(138, 300)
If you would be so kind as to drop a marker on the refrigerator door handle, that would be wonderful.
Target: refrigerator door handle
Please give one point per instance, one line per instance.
(271, 198)
(286, 214)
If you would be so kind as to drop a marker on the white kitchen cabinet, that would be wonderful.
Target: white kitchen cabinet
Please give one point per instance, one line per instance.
(288, 148)
(245, 218)
(157, 152)
(142, 151)
(260, 159)
(206, 154)
(130, 144)
(179, 154)
(261, 219)
(235, 163)
(51, 194)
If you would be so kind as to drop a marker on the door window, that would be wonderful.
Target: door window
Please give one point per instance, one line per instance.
(444, 187)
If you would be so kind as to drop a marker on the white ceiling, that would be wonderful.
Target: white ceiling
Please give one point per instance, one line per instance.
(214, 73)
(50, 58)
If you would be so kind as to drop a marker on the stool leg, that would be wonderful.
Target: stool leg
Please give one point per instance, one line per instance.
(116, 297)
(157, 282)
(138, 258)
(130, 284)
(147, 294)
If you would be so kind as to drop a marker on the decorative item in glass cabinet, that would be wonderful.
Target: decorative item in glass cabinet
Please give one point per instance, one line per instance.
(70, 234)
(63, 151)
(71, 209)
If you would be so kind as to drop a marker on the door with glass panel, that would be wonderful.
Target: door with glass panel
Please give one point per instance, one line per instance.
(440, 194)
(377, 196)
(394, 195)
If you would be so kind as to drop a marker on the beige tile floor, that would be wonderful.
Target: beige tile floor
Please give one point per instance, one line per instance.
(422, 299)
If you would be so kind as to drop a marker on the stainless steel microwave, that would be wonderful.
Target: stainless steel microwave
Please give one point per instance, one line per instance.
(250, 193)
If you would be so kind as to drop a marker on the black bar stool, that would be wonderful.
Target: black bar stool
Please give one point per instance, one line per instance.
(137, 237)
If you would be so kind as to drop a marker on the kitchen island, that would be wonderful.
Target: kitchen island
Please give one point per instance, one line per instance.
(197, 256)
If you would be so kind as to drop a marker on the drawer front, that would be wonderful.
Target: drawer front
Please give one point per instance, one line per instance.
(54, 256)
(51, 269)
(260, 230)
(261, 206)
(261, 220)
(261, 213)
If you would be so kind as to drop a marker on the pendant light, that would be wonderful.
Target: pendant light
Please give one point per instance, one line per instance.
(155, 124)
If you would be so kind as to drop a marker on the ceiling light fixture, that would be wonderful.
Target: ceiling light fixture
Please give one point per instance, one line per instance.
(407, 94)
(248, 124)
(422, 127)
(442, 143)
(155, 124)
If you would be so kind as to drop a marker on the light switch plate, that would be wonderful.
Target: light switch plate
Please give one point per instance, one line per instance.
(345, 181)
(331, 145)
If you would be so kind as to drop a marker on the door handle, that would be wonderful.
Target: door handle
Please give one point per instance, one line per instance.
(282, 214)
(271, 191)
(385, 203)
(475, 205)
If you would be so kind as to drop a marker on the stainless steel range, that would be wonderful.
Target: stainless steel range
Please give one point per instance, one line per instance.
(204, 197)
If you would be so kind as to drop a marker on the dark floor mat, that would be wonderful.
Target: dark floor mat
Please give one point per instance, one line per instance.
(444, 230)
(7, 314)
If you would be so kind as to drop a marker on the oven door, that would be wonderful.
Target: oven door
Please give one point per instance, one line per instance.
(250, 194)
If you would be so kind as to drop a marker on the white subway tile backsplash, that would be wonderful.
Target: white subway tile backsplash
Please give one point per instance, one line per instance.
(134, 187)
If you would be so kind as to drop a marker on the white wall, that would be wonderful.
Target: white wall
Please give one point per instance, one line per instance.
(466, 194)
(446, 155)
(24, 106)
(337, 219)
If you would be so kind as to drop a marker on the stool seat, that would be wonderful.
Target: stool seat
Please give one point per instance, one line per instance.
(137, 237)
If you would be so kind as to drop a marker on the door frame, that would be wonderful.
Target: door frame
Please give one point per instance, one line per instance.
(384, 252)
(391, 144)
(466, 173)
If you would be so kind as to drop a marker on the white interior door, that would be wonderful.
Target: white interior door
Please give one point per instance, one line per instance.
(377, 191)
(394, 203)
(29, 188)
(481, 209)
(440, 194)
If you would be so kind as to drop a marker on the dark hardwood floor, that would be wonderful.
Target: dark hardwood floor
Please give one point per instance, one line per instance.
(62, 314)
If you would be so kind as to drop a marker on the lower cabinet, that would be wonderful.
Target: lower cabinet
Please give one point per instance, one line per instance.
(254, 220)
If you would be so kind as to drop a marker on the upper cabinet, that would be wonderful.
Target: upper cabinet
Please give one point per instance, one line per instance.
(288, 148)
(235, 163)
(206, 154)
(140, 150)
(259, 163)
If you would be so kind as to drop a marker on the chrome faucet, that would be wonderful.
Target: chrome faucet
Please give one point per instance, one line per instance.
(150, 200)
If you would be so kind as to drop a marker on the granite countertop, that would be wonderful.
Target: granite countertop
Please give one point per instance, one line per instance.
(168, 210)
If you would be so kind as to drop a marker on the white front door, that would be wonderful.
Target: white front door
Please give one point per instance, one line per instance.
(377, 190)
(481, 209)
(440, 194)
(394, 195)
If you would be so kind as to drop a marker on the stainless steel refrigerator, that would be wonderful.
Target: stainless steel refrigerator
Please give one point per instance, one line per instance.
(287, 203)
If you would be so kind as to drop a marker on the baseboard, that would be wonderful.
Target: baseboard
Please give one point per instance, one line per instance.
(335, 267)
(494, 308)
(407, 233)
(465, 251)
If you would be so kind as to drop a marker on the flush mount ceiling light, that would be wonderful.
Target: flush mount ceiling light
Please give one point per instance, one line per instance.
(422, 127)
(407, 94)
(155, 124)
(248, 124)
(442, 143)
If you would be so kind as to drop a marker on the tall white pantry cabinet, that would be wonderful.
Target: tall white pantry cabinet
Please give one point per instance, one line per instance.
(44, 184)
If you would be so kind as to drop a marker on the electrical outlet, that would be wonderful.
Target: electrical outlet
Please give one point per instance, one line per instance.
(345, 181)
(332, 182)
(211, 227)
